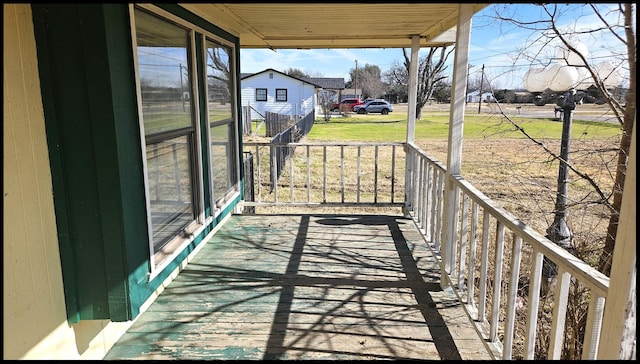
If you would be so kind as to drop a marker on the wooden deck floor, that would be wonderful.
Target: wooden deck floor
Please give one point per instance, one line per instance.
(298, 287)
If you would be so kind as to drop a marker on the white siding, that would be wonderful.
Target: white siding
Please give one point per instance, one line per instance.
(300, 95)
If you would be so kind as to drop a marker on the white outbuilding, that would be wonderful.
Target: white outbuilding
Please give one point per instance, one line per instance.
(277, 92)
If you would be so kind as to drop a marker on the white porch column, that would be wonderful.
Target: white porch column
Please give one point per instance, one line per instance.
(413, 89)
(411, 123)
(618, 337)
(454, 154)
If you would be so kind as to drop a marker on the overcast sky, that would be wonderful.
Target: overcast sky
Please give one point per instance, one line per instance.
(495, 45)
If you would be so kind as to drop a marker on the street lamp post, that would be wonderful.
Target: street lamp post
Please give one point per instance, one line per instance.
(569, 74)
(563, 78)
(559, 231)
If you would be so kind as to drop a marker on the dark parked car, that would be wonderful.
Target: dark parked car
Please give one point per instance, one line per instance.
(346, 104)
(376, 106)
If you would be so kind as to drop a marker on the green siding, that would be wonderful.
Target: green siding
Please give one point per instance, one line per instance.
(87, 78)
(128, 253)
(68, 111)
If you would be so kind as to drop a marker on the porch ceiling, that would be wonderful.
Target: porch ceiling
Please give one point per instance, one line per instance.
(334, 25)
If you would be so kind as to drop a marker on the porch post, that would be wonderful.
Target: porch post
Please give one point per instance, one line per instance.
(411, 123)
(618, 336)
(413, 89)
(454, 154)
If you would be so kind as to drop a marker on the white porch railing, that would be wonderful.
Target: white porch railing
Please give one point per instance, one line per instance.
(346, 174)
(486, 245)
(481, 253)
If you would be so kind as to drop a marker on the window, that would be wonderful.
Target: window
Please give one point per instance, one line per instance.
(169, 127)
(191, 151)
(281, 94)
(261, 94)
(222, 133)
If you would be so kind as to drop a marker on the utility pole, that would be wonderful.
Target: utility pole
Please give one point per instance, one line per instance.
(481, 82)
(181, 89)
(466, 94)
(355, 91)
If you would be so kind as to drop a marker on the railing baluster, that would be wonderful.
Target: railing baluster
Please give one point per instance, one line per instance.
(393, 173)
(497, 282)
(409, 153)
(342, 173)
(292, 158)
(358, 177)
(560, 298)
(533, 304)
(472, 256)
(484, 263)
(452, 245)
(439, 210)
(274, 173)
(423, 198)
(594, 325)
(415, 197)
(462, 257)
(375, 177)
(434, 205)
(415, 201)
(259, 174)
(427, 199)
(308, 174)
(516, 248)
(324, 173)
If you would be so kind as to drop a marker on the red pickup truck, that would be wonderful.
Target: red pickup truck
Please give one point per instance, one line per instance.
(346, 105)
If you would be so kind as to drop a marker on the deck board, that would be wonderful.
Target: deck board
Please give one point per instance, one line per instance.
(296, 287)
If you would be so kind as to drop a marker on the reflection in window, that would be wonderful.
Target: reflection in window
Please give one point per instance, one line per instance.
(221, 121)
(168, 124)
(169, 188)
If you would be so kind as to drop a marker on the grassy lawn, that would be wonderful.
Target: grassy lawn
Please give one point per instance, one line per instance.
(393, 127)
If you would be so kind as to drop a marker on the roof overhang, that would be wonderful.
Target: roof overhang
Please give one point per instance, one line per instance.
(331, 25)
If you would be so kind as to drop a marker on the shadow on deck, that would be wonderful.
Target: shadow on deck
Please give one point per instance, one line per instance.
(296, 287)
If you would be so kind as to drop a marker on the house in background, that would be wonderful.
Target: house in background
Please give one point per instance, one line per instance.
(333, 85)
(277, 92)
(350, 93)
(476, 97)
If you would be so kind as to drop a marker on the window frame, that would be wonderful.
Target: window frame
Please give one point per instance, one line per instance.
(217, 203)
(196, 50)
(278, 94)
(266, 94)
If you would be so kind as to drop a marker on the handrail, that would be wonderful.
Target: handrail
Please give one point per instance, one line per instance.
(340, 179)
(460, 267)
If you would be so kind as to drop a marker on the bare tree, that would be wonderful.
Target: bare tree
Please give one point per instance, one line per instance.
(616, 21)
(431, 67)
(369, 80)
(624, 112)
(219, 78)
(295, 72)
(325, 99)
(477, 82)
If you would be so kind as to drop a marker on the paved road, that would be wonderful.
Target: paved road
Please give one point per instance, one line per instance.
(591, 112)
